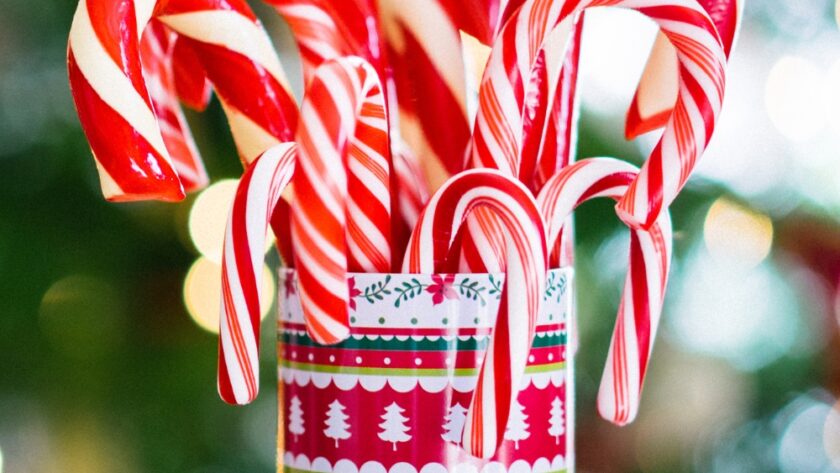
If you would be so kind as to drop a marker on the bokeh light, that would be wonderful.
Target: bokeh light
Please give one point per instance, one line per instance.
(748, 317)
(203, 292)
(831, 437)
(800, 447)
(795, 98)
(833, 96)
(83, 317)
(208, 218)
(837, 12)
(614, 50)
(736, 233)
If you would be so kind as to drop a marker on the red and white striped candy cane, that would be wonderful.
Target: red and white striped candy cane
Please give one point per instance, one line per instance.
(341, 216)
(429, 248)
(112, 97)
(157, 55)
(644, 287)
(258, 193)
(658, 87)
(239, 59)
(325, 29)
(424, 51)
(497, 138)
(558, 136)
(548, 139)
(112, 100)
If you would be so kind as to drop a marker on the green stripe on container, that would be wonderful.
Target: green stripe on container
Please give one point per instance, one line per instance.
(424, 372)
(414, 345)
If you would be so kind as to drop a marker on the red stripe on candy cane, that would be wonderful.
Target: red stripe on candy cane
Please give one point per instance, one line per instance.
(644, 287)
(341, 218)
(256, 197)
(430, 247)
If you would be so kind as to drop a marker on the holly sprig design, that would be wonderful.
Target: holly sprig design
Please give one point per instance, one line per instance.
(472, 290)
(377, 291)
(495, 287)
(408, 290)
(555, 286)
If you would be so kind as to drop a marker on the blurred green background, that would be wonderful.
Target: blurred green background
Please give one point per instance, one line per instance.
(104, 369)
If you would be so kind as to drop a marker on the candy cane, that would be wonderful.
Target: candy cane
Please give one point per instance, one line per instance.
(549, 119)
(657, 92)
(113, 104)
(242, 266)
(644, 287)
(478, 18)
(112, 97)
(341, 216)
(557, 144)
(190, 79)
(424, 51)
(157, 55)
(239, 59)
(497, 139)
(326, 30)
(429, 248)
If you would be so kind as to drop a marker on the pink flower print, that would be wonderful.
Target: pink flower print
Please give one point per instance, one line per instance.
(351, 285)
(442, 288)
(289, 285)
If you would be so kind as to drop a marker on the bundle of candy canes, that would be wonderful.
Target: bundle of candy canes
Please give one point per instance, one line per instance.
(392, 163)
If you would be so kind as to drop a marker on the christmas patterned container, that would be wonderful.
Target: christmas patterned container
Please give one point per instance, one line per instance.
(393, 397)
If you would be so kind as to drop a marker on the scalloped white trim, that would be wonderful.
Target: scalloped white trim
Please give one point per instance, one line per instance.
(322, 465)
(404, 384)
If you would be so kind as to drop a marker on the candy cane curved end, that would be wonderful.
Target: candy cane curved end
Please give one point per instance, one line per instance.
(644, 290)
(129, 137)
(657, 90)
(497, 140)
(506, 357)
(243, 258)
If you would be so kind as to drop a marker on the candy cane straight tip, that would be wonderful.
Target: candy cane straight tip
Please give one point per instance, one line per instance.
(644, 290)
(341, 219)
(257, 195)
(429, 248)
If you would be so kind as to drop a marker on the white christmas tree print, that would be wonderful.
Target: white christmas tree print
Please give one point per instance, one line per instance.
(558, 424)
(337, 426)
(517, 428)
(454, 423)
(393, 428)
(296, 418)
